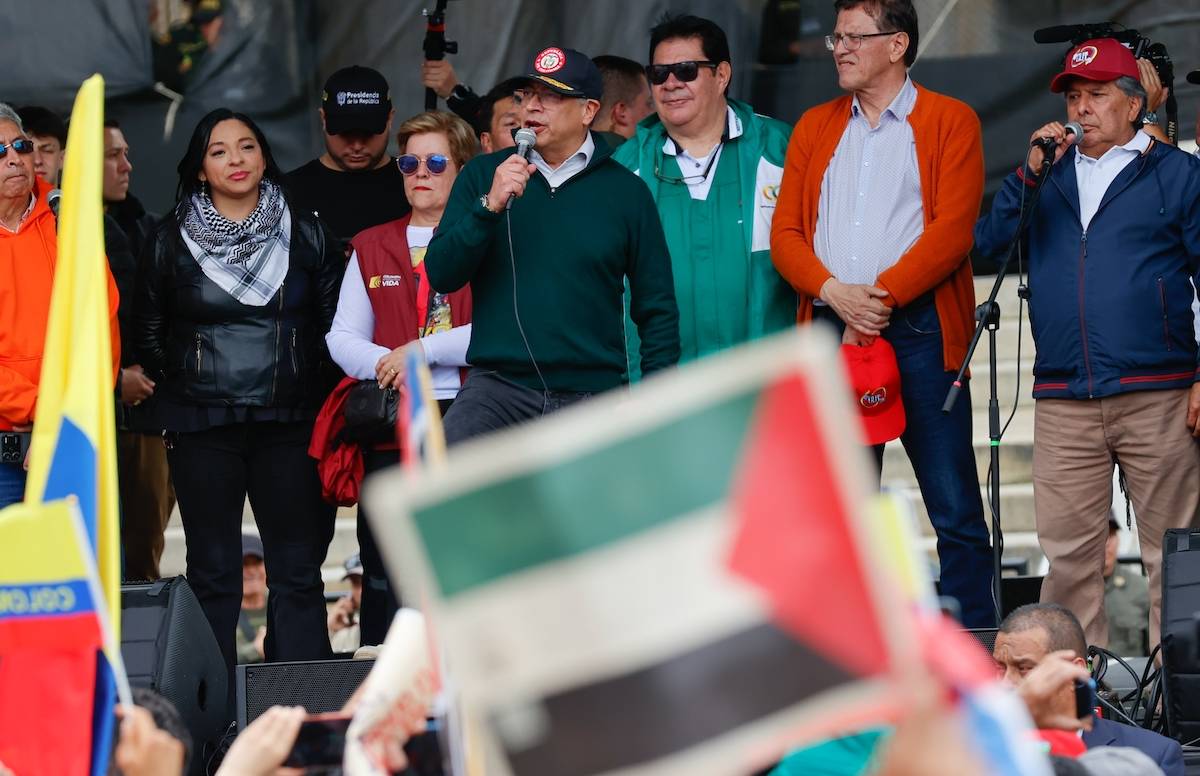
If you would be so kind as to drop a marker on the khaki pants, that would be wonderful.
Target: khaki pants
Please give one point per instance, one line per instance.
(147, 499)
(1076, 442)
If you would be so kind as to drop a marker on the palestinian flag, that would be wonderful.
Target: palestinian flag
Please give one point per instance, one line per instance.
(664, 580)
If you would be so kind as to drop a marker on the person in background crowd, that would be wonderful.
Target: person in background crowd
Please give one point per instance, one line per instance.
(252, 619)
(552, 332)
(178, 51)
(498, 117)
(386, 302)
(873, 228)
(1115, 375)
(48, 132)
(1126, 600)
(626, 99)
(237, 291)
(28, 254)
(153, 739)
(344, 629)
(355, 184)
(1038, 633)
(147, 497)
(713, 167)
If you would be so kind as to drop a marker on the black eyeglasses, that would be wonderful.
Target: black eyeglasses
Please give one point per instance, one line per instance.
(21, 146)
(691, 180)
(684, 71)
(435, 163)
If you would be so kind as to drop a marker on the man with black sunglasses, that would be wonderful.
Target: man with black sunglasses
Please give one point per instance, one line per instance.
(713, 167)
(28, 253)
(880, 194)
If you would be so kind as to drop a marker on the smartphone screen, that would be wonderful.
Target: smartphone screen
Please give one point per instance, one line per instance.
(321, 741)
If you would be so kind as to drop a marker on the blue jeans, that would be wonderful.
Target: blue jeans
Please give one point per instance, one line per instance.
(12, 484)
(943, 458)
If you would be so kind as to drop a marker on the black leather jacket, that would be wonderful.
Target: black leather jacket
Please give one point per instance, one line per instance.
(204, 347)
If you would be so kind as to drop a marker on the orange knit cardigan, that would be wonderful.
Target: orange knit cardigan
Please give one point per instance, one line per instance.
(950, 157)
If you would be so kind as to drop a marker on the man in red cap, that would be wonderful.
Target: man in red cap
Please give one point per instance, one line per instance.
(1114, 246)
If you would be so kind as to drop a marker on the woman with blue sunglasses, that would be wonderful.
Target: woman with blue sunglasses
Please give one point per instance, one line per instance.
(386, 302)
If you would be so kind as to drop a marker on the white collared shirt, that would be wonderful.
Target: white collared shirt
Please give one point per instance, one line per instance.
(691, 168)
(574, 164)
(1094, 176)
(25, 215)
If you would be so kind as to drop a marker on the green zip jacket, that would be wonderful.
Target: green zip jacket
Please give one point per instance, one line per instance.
(726, 287)
(574, 248)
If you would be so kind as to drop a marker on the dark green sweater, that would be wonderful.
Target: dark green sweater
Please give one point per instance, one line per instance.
(574, 247)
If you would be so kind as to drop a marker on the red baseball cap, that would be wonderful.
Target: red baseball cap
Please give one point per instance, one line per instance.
(875, 380)
(1102, 59)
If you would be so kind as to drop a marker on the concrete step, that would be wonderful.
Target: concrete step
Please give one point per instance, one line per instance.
(1007, 334)
(1016, 459)
(1016, 508)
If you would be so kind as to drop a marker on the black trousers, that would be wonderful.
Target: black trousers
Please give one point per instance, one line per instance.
(214, 471)
(487, 402)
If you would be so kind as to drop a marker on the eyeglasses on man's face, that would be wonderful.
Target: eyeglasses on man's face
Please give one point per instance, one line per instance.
(685, 71)
(20, 145)
(852, 41)
(548, 98)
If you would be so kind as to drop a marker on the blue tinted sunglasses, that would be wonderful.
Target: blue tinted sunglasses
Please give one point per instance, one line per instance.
(21, 146)
(435, 163)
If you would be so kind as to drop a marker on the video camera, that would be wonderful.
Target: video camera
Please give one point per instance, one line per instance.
(436, 46)
(1140, 45)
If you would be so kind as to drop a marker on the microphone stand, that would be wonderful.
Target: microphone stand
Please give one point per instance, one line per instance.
(988, 317)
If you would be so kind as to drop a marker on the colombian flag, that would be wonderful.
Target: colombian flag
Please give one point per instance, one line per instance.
(422, 440)
(52, 632)
(74, 438)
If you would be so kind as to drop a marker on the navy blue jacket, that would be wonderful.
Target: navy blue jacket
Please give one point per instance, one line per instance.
(1162, 750)
(1111, 308)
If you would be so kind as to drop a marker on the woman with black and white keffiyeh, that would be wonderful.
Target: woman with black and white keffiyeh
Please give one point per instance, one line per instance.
(235, 296)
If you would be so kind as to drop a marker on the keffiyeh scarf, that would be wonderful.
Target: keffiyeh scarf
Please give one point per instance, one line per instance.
(247, 259)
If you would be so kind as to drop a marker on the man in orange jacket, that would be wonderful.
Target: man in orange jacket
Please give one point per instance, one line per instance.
(28, 253)
(881, 189)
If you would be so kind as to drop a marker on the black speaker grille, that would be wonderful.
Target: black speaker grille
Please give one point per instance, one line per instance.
(986, 637)
(319, 686)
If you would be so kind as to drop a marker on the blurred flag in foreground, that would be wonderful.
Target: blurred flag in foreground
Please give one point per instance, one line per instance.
(73, 451)
(422, 440)
(580, 572)
(55, 711)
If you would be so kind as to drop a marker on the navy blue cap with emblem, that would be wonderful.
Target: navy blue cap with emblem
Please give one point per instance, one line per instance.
(566, 71)
(356, 99)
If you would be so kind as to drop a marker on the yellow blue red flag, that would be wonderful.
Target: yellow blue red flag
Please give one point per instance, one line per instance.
(52, 631)
(73, 452)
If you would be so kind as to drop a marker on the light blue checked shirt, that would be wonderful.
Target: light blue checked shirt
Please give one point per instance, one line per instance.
(870, 210)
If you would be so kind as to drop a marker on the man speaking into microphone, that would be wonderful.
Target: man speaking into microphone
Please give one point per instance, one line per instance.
(546, 244)
(1112, 247)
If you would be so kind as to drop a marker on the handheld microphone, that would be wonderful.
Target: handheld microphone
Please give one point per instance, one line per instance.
(54, 199)
(526, 139)
(1073, 131)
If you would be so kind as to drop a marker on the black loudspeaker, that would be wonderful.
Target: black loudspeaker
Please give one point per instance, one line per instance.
(1181, 632)
(168, 646)
(1018, 591)
(318, 685)
(986, 637)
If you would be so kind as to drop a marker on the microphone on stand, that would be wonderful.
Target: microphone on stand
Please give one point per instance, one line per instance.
(54, 199)
(526, 139)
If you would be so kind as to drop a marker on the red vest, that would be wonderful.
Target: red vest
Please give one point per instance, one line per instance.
(387, 272)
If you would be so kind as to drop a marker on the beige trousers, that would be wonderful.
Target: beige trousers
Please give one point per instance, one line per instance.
(1076, 443)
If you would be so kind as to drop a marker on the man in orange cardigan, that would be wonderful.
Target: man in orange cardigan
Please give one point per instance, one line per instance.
(881, 189)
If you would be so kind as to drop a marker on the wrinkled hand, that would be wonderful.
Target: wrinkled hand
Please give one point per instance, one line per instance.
(857, 305)
(1193, 410)
(510, 179)
(263, 746)
(143, 749)
(135, 386)
(1156, 93)
(342, 614)
(852, 336)
(440, 76)
(1045, 683)
(389, 369)
(1054, 129)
